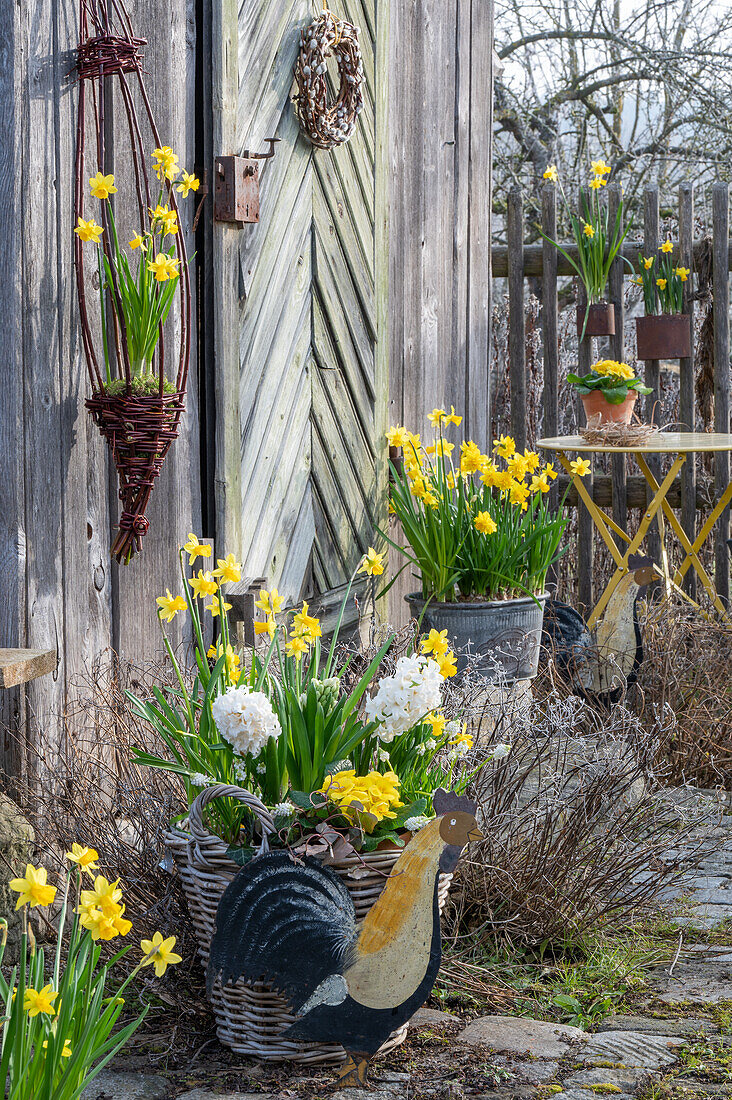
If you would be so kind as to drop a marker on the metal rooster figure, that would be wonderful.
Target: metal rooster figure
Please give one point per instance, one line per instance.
(293, 926)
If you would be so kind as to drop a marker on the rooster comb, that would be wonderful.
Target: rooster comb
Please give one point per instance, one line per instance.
(445, 802)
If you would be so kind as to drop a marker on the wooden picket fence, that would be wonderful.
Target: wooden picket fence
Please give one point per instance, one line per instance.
(712, 260)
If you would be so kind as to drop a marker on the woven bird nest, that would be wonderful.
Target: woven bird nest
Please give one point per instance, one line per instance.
(325, 123)
(614, 434)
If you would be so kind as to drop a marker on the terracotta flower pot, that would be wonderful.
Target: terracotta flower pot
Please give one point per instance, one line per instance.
(667, 336)
(600, 320)
(596, 402)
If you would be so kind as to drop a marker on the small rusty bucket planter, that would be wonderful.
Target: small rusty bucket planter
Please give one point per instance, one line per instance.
(664, 336)
(596, 404)
(600, 320)
(250, 1017)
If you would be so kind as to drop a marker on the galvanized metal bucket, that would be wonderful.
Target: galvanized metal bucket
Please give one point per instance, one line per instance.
(499, 638)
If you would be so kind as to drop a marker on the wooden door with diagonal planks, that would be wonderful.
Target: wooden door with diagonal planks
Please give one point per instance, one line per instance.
(312, 286)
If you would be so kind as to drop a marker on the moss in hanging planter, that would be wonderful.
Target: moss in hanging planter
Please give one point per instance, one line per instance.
(147, 385)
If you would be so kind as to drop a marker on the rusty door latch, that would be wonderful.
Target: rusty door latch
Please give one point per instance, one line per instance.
(236, 192)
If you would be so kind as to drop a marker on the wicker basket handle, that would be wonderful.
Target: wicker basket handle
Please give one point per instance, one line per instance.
(203, 843)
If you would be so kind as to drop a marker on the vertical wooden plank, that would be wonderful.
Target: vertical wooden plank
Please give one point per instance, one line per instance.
(224, 98)
(585, 529)
(549, 318)
(720, 217)
(686, 368)
(381, 257)
(480, 185)
(13, 59)
(651, 243)
(517, 318)
(617, 345)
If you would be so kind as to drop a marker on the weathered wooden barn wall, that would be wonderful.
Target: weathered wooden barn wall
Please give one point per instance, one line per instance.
(58, 587)
(440, 140)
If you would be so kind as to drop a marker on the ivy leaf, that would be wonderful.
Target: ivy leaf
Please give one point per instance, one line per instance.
(240, 856)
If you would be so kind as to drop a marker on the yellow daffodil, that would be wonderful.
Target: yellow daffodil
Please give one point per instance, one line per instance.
(372, 563)
(533, 462)
(580, 467)
(397, 436)
(196, 549)
(667, 245)
(85, 858)
(233, 660)
(159, 953)
(648, 262)
(204, 584)
(485, 523)
(471, 457)
(453, 418)
(661, 283)
(166, 219)
(163, 267)
(504, 446)
(462, 741)
(540, 484)
(38, 1002)
(549, 471)
(518, 465)
(165, 163)
(439, 448)
(295, 647)
(89, 230)
(101, 186)
(170, 605)
(588, 230)
(270, 602)
(436, 417)
(637, 280)
(33, 888)
(597, 182)
(519, 494)
(228, 570)
(266, 627)
(551, 173)
(214, 608)
(438, 723)
(683, 273)
(105, 896)
(447, 663)
(66, 1051)
(188, 182)
(436, 642)
(304, 624)
(599, 167)
(137, 241)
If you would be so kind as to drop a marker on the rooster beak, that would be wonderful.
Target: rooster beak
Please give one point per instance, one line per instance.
(475, 834)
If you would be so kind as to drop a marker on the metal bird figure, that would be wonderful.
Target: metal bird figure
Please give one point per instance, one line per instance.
(293, 925)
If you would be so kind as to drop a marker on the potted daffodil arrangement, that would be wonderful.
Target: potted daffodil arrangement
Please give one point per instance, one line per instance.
(609, 391)
(481, 536)
(598, 242)
(665, 331)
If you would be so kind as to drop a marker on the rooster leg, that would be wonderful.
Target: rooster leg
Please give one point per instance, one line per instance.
(362, 1070)
(353, 1074)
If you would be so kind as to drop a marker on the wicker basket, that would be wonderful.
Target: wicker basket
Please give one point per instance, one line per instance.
(250, 1018)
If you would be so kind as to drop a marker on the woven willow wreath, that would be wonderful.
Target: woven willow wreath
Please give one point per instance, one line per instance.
(328, 124)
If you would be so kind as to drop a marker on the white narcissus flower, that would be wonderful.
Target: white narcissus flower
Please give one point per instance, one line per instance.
(245, 719)
(403, 699)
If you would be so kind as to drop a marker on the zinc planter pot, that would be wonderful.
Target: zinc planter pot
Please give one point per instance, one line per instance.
(600, 320)
(504, 635)
(666, 336)
(596, 403)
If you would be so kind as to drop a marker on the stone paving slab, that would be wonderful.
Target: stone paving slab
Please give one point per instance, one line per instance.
(109, 1085)
(649, 1025)
(623, 1079)
(631, 1048)
(518, 1035)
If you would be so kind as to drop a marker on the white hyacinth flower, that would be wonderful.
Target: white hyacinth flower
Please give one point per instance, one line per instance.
(500, 751)
(245, 719)
(198, 779)
(414, 824)
(403, 699)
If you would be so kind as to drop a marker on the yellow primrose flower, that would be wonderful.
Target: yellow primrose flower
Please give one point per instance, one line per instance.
(372, 563)
(163, 267)
(159, 953)
(438, 723)
(551, 173)
(436, 642)
(33, 889)
(485, 523)
(204, 584)
(610, 367)
(85, 858)
(266, 627)
(580, 467)
(447, 663)
(295, 647)
(165, 163)
(102, 186)
(228, 570)
(588, 230)
(683, 273)
(137, 241)
(40, 1001)
(667, 245)
(170, 605)
(436, 416)
(648, 262)
(188, 182)
(397, 436)
(504, 446)
(599, 167)
(661, 283)
(196, 549)
(89, 230)
(270, 602)
(214, 609)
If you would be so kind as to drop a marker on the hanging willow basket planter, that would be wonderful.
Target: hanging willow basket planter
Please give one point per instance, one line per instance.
(327, 124)
(138, 383)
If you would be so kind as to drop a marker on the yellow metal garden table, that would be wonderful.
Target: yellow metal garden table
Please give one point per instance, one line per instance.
(680, 445)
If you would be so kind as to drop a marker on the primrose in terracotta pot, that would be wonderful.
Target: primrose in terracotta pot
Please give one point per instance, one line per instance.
(480, 536)
(665, 331)
(609, 391)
